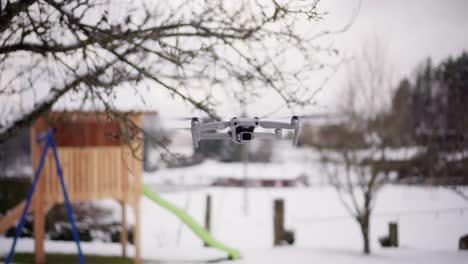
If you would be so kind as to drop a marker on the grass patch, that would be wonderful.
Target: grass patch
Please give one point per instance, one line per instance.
(26, 258)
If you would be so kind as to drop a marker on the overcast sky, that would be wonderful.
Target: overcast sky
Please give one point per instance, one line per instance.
(411, 30)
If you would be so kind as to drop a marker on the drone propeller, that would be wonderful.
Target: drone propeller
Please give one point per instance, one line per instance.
(179, 118)
(202, 118)
(318, 115)
(306, 116)
(179, 128)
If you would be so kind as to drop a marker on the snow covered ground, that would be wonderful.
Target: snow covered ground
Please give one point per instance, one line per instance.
(323, 231)
(287, 163)
(306, 209)
(343, 256)
(431, 220)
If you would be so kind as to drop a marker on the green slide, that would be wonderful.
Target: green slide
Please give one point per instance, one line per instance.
(196, 228)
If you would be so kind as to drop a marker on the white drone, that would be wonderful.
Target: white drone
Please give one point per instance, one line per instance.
(241, 130)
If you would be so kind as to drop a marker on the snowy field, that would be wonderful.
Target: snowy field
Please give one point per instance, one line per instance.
(323, 232)
(287, 162)
(315, 214)
(342, 256)
(431, 220)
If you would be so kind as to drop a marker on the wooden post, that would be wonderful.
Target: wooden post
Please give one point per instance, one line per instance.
(38, 203)
(137, 172)
(136, 233)
(123, 230)
(208, 215)
(393, 234)
(39, 223)
(278, 221)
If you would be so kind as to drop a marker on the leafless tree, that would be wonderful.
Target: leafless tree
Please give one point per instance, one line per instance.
(87, 48)
(461, 191)
(349, 165)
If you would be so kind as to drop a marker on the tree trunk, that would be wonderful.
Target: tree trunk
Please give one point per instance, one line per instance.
(364, 225)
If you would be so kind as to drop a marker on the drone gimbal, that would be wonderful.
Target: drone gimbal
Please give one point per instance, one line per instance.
(241, 130)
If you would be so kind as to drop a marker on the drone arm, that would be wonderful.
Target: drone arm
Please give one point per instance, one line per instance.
(297, 128)
(280, 125)
(273, 124)
(214, 136)
(264, 135)
(198, 135)
(213, 126)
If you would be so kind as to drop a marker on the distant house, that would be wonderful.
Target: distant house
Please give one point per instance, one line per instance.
(301, 180)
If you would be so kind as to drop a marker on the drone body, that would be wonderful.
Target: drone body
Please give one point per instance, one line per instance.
(241, 130)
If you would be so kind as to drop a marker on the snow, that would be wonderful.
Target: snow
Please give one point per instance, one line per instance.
(287, 163)
(207, 171)
(426, 231)
(336, 240)
(92, 248)
(323, 256)
(430, 220)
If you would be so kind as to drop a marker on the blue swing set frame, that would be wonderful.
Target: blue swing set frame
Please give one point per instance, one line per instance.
(48, 138)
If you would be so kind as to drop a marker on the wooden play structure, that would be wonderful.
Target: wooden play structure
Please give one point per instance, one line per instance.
(100, 155)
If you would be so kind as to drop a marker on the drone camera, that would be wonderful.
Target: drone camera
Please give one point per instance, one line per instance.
(246, 136)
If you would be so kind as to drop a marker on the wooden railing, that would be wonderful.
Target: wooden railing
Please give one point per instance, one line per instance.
(92, 173)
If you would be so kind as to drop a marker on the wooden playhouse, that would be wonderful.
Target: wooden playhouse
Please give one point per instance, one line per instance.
(101, 158)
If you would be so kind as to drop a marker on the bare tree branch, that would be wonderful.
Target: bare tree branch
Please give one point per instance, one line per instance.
(45, 105)
(12, 10)
(179, 48)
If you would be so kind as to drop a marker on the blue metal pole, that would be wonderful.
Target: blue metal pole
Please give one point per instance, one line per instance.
(19, 228)
(76, 236)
